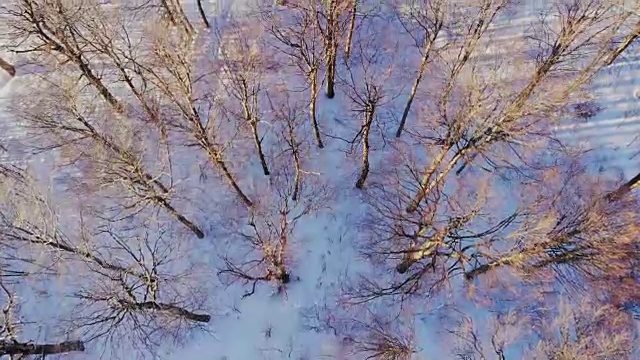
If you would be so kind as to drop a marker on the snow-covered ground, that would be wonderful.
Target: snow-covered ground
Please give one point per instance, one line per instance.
(277, 326)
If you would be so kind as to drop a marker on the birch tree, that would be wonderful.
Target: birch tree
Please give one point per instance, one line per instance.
(581, 28)
(266, 242)
(62, 121)
(353, 11)
(330, 21)
(187, 82)
(244, 64)
(559, 328)
(288, 118)
(297, 35)
(267, 238)
(16, 275)
(369, 87)
(122, 283)
(424, 22)
(75, 36)
(456, 228)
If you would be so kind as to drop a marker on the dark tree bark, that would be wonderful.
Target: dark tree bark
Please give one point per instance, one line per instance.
(186, 222)
(26, 349)
(624, 189)
(203, 15)
(331, 49)
(258, 142)
(366, 127)
(168, 308)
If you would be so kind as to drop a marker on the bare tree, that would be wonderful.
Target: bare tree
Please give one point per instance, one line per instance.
(368, 87)
(288, 118)
(584, 330)
(480, 196)
(551, 327)
(62, 121)
(330, 22)
(383, 339)
(243, 66)
(12, 324)
(424, 23)
(123, 280)
(194, 109)
(573, 235)
(298, 36)
(459, 226)
(50, 31)
(270, 231)
(133, 60)
(582, 28)
(268, 235)
(364, 332)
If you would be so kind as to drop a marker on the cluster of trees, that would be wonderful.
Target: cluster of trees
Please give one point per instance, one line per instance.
(149, 115)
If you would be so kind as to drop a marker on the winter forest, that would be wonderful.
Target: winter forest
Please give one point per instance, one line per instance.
(319, 179)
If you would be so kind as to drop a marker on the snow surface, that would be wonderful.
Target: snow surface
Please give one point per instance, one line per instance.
(323, 256)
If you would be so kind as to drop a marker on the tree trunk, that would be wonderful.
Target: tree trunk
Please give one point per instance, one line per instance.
(166, 7)
(417, 253)
(312, 108)
(203, 15)
(364, 171)
(258, 143)
(281, 273)
(425, 186)
(628, 40)
(331, 74)
(221, 164)
(186, 222)
(404, 265)
(296, 179)
(352, 26)
(624, 189)
(97, 83)
(152, 185)
(27, 349)
(175, 310)
(414, 89)
(10, 69)
(331, 49)
(184, 19)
